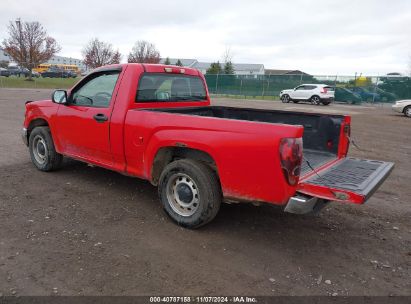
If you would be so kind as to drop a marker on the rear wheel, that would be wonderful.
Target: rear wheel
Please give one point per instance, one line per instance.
(285, 98)
(315, 100)
(42, 151)
(190, 193)
(407, 111)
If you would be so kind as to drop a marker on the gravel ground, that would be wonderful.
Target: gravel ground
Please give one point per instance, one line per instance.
(89, 231)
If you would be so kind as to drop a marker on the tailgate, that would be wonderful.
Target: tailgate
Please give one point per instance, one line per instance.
(347, 180)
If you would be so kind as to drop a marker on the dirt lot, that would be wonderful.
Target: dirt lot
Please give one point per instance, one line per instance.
(89, 231)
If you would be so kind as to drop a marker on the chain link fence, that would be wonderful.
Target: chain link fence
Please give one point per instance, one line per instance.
(348, 89)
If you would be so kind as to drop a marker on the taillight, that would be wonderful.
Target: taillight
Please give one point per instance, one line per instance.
(324, 90)
(291, 155)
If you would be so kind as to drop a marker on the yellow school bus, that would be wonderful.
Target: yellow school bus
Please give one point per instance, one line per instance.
(67, 67)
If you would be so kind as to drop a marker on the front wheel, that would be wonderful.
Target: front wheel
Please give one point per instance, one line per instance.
(407, 111)
(42, 151)
(190, 193)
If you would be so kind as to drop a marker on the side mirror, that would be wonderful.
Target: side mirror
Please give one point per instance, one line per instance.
(59, 96)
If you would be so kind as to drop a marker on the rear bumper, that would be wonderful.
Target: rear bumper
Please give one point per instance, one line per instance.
(302, 204)
(24, 136)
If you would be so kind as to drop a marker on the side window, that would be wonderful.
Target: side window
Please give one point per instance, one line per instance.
(300, 88)
(96, 92)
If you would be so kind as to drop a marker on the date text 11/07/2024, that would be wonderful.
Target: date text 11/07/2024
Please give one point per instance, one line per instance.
(199, 299)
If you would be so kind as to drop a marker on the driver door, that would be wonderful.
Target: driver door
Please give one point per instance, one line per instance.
(83, 124)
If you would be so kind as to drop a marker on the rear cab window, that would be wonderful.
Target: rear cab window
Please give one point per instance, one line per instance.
(161, 87)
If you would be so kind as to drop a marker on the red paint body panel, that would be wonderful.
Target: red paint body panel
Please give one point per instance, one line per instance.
(246, 153)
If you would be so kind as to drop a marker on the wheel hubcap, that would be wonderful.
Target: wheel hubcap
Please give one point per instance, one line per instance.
(408, 112)
(39, 149)
(182, 194)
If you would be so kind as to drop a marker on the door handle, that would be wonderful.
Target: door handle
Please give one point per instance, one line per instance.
(100, 117)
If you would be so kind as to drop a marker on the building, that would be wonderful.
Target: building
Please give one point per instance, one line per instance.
(285, 72)
(54, 60)
(239, 68)
(67, 60)
(189, 63)
(4, 56)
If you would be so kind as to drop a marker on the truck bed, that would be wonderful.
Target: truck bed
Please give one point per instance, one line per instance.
(315, 159)
(319, 129)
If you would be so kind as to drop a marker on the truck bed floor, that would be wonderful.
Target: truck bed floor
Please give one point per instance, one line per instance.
(316, 160)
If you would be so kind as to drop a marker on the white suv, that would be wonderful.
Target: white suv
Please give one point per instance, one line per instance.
(314, 93)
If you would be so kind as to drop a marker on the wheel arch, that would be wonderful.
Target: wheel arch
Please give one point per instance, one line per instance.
(167, 154)
(37, 122)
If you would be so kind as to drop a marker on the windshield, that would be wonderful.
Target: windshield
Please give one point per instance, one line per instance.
(170, 87)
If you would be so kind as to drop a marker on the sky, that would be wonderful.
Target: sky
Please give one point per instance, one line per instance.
(320, 37)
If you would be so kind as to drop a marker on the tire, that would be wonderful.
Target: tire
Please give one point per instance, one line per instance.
(285, 98)
(315, 100)
(199, 197)
(407, 111)
(42, 151)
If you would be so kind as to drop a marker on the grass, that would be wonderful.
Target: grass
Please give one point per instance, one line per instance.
(37, 83)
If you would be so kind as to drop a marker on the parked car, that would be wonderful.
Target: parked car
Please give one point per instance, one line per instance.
(385, 96)
(403, 106)
(4, 72)
(56, 73)
(346, 95)
(155, 122)
(18, 71)
(314, 93)
(366, 95)
(71, 74)
(35, 74)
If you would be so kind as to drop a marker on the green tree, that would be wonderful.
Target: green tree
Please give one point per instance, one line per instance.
(215, 68)
(179, 63)
(228, 68)
(167, 61)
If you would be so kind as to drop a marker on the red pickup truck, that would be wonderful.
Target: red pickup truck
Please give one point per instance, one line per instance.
(155, 122)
